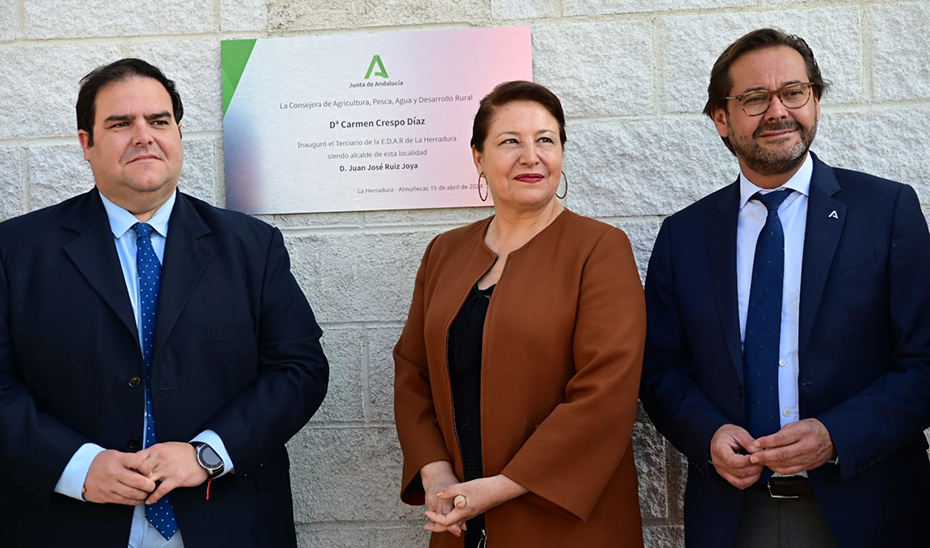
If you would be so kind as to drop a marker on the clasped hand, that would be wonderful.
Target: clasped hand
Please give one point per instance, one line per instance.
(147, 476)
(441, 487)
(799, 446)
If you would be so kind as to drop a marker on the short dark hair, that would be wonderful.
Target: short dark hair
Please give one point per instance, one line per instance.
(508, 92)
(720, 81)
(124, 69)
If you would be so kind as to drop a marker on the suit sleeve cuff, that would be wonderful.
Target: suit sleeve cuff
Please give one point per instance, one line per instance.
(71, 482)
(213, 439)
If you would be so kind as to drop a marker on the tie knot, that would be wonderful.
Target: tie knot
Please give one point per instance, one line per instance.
(771, 200)
(143, 230)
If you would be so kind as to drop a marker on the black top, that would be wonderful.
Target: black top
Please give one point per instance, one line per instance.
(466, 335)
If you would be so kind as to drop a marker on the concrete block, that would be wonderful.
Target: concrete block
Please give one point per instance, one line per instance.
(645, 167)
(302, 221)
(198, 178)
(243, 15)
(520, 9)
(344, 400)
(642, 233)
(677, 465)
(295, 15)
(381, 341)
(371, 536)
(12, 183)
(310, 536)
(599, 7)
(410, 536)
(219, 185)
(39, 101)
(8, 20)
(664, 536)
(900, 44)
(378, 13)
(596, 69)
(358, 277)
(887, 143)
(195, 67)
(692, 44)
(94, 18)
(56, 173)
(649, 449)
(347, 474)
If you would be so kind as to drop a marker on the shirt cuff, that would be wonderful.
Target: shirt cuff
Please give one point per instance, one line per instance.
(213, 439)
(71, 482)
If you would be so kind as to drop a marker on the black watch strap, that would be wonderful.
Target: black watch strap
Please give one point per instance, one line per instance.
(208, 459)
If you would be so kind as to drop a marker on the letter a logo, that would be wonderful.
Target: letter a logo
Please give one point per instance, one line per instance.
(382, 72)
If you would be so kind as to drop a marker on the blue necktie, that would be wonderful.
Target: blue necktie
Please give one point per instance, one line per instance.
(763, 323)
(160, 514)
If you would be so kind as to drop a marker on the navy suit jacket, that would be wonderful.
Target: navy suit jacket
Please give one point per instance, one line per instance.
(236, 350)
(864, 354)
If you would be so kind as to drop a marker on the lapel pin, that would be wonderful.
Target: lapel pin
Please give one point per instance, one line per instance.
(833, 215)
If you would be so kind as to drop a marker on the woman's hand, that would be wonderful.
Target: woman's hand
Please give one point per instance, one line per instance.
(480, 495)
(437, 477)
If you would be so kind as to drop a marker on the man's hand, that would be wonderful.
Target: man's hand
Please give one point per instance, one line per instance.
(436, 477)
(799, 446)
(727, 453)
(118, 478)
(174, 464)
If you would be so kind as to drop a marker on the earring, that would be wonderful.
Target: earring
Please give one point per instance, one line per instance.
(565, 192)
(484, 198)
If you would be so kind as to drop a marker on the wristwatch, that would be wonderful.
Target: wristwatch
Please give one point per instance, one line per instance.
(208, 459)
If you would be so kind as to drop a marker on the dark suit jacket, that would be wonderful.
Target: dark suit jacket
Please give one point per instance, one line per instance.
(236, 350)
(864, 354)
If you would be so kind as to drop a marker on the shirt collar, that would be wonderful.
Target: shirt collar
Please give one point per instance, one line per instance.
(799, 182)
(122, 220)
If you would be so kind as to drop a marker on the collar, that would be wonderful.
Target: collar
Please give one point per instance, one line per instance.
(122, 220)
(799, 182)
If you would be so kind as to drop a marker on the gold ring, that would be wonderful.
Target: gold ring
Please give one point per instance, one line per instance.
(459, 501)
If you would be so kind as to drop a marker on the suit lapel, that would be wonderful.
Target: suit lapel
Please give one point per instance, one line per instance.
(93, 252)
(825, 219)
(188, 250)
(721, 250)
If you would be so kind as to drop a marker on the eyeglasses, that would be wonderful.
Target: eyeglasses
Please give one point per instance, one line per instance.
(757, 102)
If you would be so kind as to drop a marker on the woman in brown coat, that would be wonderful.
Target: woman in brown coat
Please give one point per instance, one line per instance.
(518, 369)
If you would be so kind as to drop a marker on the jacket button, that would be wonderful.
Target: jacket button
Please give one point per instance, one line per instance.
(134, 382)
(133, 443)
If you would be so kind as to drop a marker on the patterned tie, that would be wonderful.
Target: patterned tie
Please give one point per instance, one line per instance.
(160, 514)
(763, 323)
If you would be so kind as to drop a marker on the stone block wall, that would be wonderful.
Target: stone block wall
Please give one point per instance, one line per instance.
(632, 75)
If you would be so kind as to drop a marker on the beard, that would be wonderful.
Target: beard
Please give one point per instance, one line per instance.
(769, 161)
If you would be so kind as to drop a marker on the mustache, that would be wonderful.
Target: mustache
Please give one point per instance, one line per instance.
(780, 125)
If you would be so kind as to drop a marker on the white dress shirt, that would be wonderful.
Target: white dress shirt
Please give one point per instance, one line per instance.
(71, 483)
(793, 215)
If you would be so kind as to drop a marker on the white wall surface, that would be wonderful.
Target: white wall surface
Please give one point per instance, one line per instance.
(632, 75)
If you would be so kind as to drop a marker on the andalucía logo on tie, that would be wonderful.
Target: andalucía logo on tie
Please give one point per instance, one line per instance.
(376, 61)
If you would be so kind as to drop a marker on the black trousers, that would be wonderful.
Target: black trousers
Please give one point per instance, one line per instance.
(767, 522)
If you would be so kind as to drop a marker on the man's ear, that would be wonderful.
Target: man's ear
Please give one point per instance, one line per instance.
(84, 138)
(720, 121)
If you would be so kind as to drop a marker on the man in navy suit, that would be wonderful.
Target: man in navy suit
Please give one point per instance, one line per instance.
(155, 352)
(788, 344)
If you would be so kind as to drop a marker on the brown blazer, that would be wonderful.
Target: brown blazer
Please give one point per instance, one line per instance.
(561, 361)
